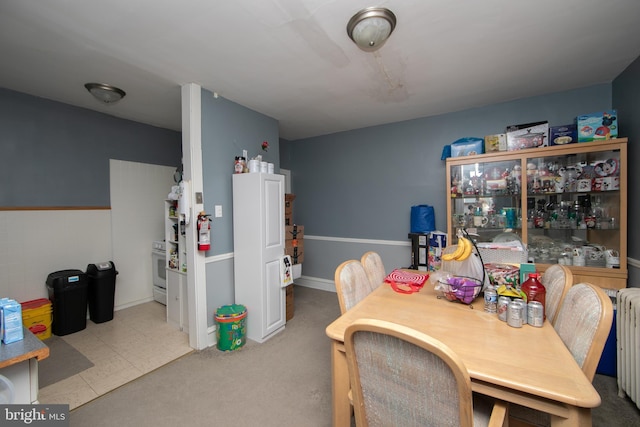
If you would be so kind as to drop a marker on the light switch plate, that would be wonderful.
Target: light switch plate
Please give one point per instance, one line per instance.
(218, 212)
(199, 197)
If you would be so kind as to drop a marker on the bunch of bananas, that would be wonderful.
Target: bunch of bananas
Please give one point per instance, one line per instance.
(462, 252)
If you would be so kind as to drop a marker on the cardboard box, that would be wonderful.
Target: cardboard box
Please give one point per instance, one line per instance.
(296, 253)
(597, 126)
(496, 142)
(528, 135)
(437, 243)
(294, 231)
(562, 135)
(288, 219)
(289, 301)
(288, 203)
(467, 147)
(292, 243)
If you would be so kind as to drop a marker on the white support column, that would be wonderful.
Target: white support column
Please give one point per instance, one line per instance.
(192, 164)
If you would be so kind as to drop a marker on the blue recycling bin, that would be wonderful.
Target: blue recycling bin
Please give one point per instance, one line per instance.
(608, 361)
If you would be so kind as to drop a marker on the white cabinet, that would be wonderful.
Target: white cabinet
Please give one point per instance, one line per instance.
(174, 280)
(176, 244)
(258, 245)
(175, 238)
(24, 378)
(19, 365)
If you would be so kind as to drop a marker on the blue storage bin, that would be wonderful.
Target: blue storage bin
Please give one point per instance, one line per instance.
(608, 361)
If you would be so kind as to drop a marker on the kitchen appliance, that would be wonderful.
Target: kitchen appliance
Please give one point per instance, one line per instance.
(159, 271)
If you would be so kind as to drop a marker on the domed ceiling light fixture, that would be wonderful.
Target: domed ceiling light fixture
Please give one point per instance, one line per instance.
(370, 27)
(105, 93)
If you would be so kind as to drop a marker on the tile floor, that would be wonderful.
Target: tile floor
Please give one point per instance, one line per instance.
(137, 340)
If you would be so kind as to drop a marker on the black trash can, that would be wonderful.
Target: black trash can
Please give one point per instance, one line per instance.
(102, 289)
(68, 294)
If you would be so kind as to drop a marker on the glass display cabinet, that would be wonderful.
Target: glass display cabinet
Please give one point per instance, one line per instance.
(566, 203)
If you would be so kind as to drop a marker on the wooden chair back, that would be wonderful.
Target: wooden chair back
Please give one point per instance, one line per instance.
(583, 322)
(557, 280)
(373, 265)
(403, 377)
(352, 284)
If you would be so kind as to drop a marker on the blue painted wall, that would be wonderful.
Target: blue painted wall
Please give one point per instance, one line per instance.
(361, 184)
(227, 129)
(626, 99)
(55, 154)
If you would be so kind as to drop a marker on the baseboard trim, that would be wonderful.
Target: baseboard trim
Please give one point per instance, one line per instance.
(316, 283)
(211, 336)
(132, 303)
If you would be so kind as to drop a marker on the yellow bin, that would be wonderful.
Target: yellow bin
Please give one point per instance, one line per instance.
(37, 317)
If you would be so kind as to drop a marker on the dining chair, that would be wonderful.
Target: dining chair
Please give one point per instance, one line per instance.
(374, 267)
(403, 377)
(352, 284)
(583, 323)
(557, 280)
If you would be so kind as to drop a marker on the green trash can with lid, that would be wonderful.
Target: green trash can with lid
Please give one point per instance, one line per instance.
(231, 329)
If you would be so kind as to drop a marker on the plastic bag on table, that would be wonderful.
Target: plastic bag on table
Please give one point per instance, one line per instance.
(470, 267)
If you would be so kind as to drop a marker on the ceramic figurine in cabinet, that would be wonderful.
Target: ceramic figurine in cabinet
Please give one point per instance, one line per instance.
(456, 188)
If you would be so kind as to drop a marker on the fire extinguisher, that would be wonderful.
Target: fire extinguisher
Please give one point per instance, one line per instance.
(204, 232)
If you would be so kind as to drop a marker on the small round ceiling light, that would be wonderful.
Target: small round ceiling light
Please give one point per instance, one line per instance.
(105, 93)
(370, 27)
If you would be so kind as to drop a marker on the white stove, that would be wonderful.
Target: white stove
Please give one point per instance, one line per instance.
(159, 271)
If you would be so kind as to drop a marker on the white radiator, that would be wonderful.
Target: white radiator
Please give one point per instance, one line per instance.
(628, 343)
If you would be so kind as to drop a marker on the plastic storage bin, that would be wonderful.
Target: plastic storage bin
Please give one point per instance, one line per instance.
(609, 358)
(231, 330)
(68, 294)
(37, 317)
(101, 291)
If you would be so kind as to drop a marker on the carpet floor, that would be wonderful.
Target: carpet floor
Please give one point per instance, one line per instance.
(282, 382)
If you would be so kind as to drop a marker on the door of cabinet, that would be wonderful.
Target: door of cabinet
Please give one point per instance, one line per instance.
(576, 210)
(485, 196)
(258, 244)
(174, 299)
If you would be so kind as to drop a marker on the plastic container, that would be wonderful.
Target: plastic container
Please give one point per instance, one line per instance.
(11, 327)
(608, 361)
(37, 317)
(231, 330)
(101, 291)
(535, 291)
(68, 294)
(7, 393)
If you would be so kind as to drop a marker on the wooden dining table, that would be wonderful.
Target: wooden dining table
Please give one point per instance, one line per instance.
(529, 365)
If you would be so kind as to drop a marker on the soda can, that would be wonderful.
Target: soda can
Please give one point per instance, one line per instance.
(514, 314)
(490, 300)
(535, 314)
(503, 303)
(524, 310)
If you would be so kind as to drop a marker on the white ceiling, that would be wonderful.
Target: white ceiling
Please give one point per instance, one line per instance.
(292, 59)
